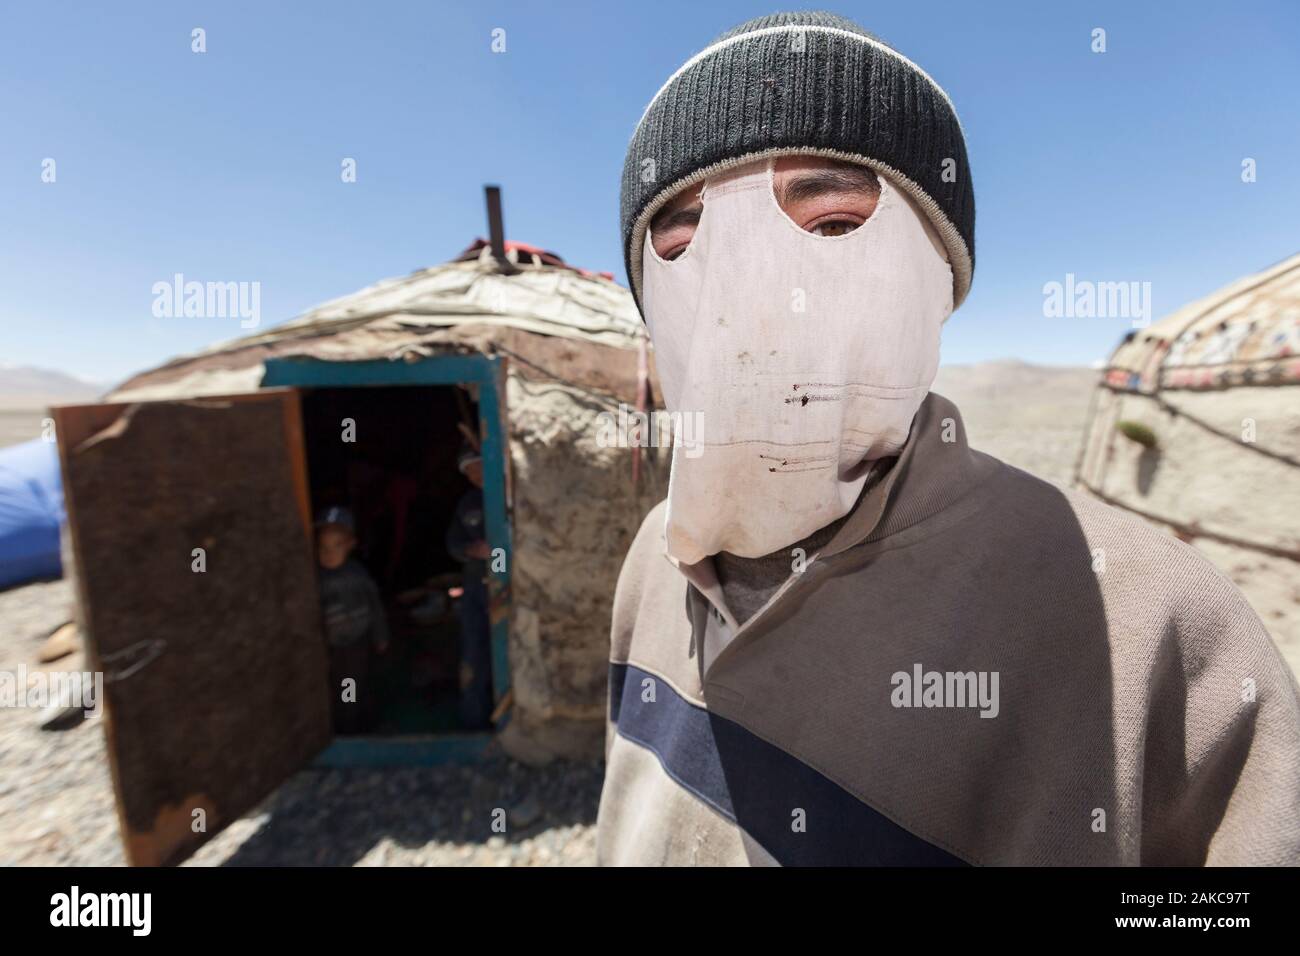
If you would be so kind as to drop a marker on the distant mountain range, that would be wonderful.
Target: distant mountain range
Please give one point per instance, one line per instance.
(1001, 381)
(25, 387)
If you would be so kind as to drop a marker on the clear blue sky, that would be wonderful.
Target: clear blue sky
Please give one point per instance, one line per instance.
(225, 166)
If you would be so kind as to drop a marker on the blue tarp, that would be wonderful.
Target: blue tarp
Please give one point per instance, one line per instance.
(31, 511)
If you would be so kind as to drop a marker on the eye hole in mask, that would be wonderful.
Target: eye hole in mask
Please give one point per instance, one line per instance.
(825, 197)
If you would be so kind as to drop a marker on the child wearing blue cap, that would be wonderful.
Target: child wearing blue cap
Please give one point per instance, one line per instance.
(352, 613)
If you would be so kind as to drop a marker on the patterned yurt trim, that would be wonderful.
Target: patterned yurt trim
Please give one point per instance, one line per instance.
(1247, 333)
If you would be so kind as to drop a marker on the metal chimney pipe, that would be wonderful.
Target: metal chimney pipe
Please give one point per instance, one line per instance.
(496, 229)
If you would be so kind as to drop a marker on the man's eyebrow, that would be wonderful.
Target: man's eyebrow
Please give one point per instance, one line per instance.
(682, 216)
(819, 182)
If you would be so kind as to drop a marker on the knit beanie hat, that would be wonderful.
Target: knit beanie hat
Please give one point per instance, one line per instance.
(802, 83)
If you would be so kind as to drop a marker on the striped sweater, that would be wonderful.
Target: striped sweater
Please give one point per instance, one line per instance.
(979, 668)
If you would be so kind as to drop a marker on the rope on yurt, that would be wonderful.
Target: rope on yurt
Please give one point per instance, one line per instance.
(1192, 531)
(609, 398)
(1226, 436)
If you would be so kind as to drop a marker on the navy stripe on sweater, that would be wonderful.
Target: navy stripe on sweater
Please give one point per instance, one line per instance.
(757, 785)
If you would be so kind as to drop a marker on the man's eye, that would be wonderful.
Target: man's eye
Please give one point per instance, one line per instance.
(833, 227)
(674, 252)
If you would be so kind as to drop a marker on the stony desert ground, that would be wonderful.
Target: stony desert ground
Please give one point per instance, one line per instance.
(56, 801)
(19, 425)
(56, 797)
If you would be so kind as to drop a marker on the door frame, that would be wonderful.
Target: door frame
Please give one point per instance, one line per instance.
(488, 373)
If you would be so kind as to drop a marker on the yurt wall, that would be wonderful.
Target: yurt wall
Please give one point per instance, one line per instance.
(1196, 426)
(576, 511)
(1223, 463)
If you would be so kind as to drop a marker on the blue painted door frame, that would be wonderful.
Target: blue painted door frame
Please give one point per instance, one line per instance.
(488, 373)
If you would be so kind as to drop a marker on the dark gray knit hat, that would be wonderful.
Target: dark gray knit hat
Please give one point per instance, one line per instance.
(812, 83)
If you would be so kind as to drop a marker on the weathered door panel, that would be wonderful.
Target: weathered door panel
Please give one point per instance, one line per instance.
(215, 680)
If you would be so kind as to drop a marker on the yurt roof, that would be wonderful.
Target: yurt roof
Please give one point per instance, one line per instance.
(572, 324)
(1247, 333)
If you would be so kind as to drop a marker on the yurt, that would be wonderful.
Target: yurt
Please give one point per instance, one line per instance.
(1195, 425)
(191, 492)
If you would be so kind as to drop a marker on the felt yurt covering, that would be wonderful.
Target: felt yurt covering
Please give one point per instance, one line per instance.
(575, 347)
(1196, 420)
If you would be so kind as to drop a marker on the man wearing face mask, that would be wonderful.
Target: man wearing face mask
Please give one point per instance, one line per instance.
(846, 637)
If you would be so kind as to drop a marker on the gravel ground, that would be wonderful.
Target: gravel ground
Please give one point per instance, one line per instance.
(56, 800)
(20, 425)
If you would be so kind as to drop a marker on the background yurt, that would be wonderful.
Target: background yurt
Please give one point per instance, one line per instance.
(216, 680)
(1195, 425)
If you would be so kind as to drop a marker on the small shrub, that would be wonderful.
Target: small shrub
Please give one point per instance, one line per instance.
(1136, 431)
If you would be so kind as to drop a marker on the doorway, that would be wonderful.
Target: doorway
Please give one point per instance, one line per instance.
(384, 440)
(387, 456)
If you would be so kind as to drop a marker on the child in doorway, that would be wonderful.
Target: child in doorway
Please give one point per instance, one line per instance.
(467, 543)
(353, 617)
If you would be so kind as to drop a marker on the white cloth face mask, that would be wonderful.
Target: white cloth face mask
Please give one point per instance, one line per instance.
(797, 358)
